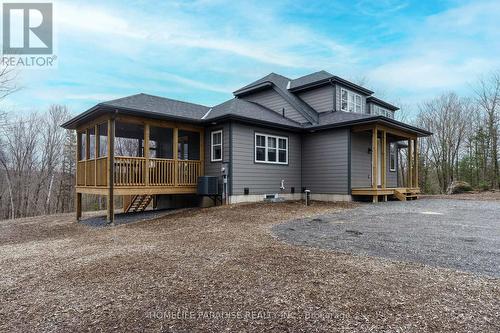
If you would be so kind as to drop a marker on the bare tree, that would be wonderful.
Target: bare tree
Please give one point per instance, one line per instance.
(8, 81)
(488, 98)
(447, 117)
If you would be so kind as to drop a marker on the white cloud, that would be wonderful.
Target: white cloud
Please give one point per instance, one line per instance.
(276, 43)
(446, 51)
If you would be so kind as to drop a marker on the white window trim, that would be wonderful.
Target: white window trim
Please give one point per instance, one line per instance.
(393, 153)
(212, 145)
(351, 101)
(267, 136)
(381, 111)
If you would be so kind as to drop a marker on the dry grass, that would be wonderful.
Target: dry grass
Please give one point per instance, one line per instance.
(220, 269)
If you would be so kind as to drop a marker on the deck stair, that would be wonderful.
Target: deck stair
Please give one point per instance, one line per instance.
(401, 196)
(139, 203)
(405, 195)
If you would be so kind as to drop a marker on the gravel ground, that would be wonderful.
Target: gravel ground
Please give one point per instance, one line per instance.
(463, 235)
(99, 220)
(220, 269)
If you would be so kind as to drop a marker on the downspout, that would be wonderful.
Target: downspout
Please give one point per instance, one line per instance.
(349, 149)
(230, 182)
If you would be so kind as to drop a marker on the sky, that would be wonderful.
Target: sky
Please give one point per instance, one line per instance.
(200, 51)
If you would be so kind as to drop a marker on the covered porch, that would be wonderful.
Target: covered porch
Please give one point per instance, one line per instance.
(136, 158)
(406, 186)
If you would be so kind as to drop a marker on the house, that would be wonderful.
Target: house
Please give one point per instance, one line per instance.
(276, 137)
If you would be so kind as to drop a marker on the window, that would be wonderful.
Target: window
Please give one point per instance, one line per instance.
(350, 102)
(129, 140)
(102, 139)
(82, 150)
(216, 146)
(91, 132)
(161, 142)
(380, 111)
(271, 149)
(188, 146)
(392, 156)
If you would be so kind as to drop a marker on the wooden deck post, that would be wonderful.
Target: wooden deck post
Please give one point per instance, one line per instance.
(175, 151)
(410, 171)
(78, 203)
(416, 160)
(202, 152)
(146, 153)
(78, 196)
(96, 152)
(384, 160)
(87, 153)
(374, 158)
(111, 162)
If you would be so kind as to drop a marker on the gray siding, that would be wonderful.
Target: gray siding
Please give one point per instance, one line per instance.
(272, 100)
(325, 161)
(361, 160)
(391, 176)
(214, 168)
(338, 96)
(263, 178)
(320, 99)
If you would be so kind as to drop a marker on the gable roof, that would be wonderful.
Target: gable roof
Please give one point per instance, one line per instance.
(243, 109)
(322, 78)
(382, 103)
(310, 78)
(280, 84)
(239, 109)
(157, 104)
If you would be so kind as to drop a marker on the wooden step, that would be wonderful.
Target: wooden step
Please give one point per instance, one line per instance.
(400, 195)
(139, 203)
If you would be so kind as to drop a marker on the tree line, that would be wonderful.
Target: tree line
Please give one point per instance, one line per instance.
(37, 164)
(464, 144)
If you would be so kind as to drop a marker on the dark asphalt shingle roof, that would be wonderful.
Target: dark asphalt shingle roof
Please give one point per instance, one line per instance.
(321, 78)
(329, 118)
(310, 78)
(159, 105)
(271, 77)
(280, 83)
(249, 110)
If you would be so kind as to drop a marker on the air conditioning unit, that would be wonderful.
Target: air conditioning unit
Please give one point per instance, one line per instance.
(208, 185)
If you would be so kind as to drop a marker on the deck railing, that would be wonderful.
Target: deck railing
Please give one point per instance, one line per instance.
(188, 172)
(131, 172)
(161, 172)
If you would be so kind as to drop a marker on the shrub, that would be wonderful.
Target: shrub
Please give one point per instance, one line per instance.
(483, 186)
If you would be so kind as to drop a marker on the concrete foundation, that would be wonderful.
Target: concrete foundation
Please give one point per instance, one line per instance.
(288, 196)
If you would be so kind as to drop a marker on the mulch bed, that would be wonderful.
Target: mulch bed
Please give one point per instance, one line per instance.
(219, 269)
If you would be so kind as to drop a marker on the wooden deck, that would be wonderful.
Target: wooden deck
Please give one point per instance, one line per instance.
(101, 171)
(400, 193)
(137, 175)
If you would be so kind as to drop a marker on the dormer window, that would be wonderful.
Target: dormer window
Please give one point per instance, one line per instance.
(380, 111)
(350, 102)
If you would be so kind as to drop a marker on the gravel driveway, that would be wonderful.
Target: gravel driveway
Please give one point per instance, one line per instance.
(457, 234)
